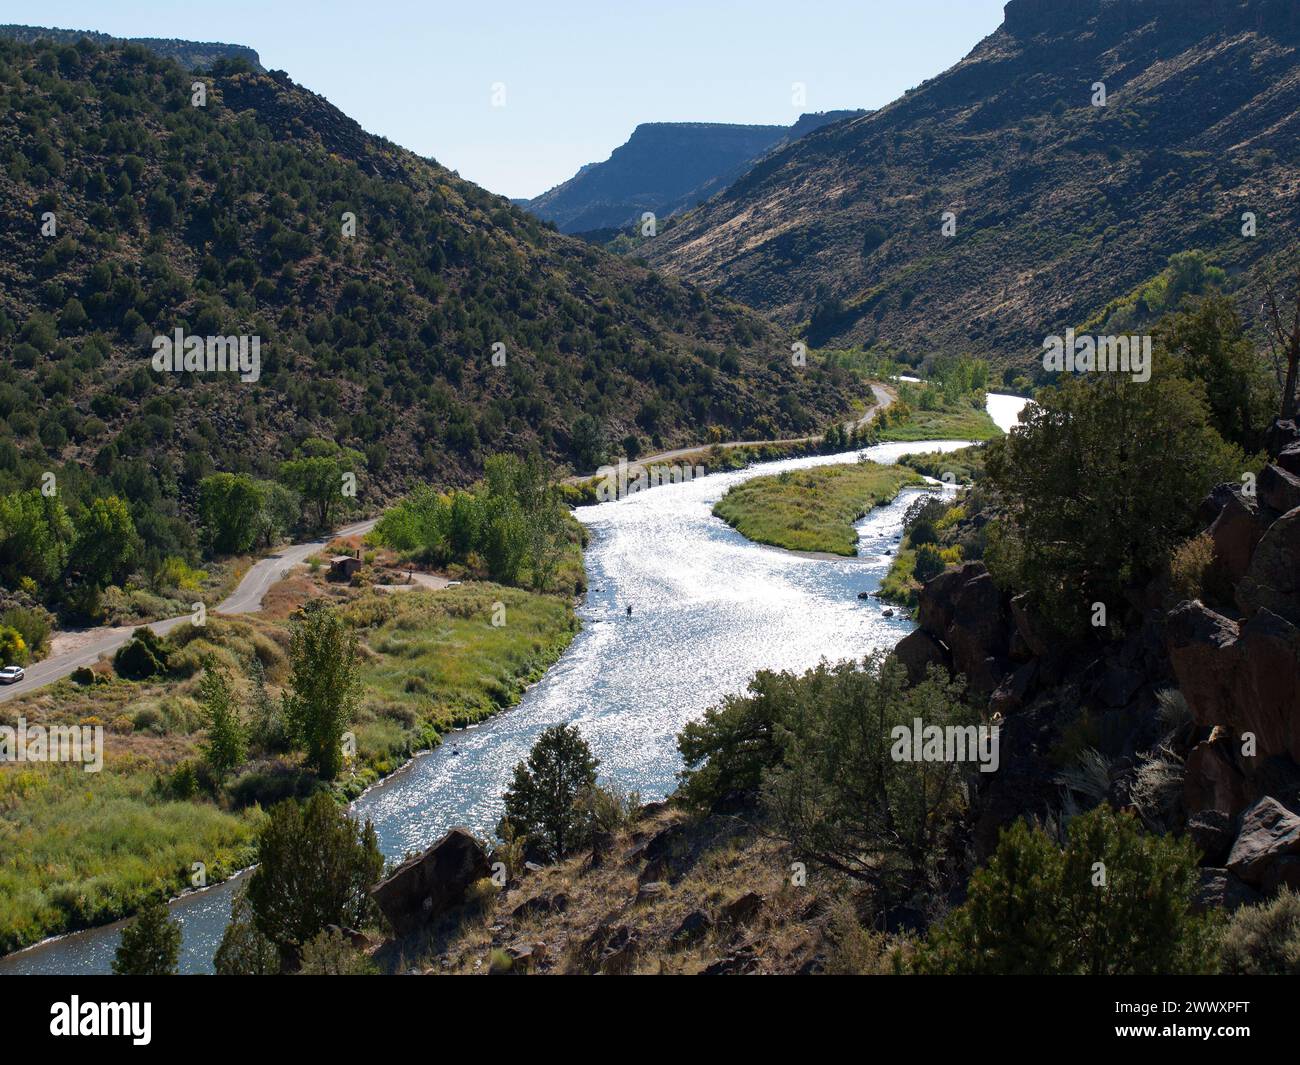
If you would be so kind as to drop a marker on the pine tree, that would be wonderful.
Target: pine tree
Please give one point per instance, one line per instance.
(151, 944)
(543, 800)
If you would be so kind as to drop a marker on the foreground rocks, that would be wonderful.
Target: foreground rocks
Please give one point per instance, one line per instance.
(423, 888)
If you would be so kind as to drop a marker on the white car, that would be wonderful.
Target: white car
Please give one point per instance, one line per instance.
(12, 674)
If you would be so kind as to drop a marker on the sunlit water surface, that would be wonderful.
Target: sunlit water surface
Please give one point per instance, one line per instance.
(709, 609)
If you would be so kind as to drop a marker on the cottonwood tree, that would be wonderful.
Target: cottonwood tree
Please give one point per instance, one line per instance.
(227, 743)
(324, 685)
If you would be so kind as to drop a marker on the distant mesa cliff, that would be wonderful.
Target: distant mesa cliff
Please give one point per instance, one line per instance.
(1060, 206)
(665, 167)
(192, 55)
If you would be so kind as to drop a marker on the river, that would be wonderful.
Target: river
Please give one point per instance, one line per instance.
(709, 609)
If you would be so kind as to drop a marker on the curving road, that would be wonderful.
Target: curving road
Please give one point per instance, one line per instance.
(884, 398)
(246, 599)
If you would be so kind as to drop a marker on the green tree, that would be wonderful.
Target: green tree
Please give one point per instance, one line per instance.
(13, 648)
(144, 655)
(590, 448)
(727, 751)
(841, 793)
(928, 563)
(1115, 901)
(35, 536)
(1209, 344)
(106, 543)
(316, 866)
(150, 944)
(1099, 484)
(324, 684)
(544, 798)
(243, 950)
(317, 474)
(230, 509)
(227, 745)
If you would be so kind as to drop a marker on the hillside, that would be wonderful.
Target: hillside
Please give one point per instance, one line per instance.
(665, 167)
(1061, 206)
(192, 55)
(230, 219)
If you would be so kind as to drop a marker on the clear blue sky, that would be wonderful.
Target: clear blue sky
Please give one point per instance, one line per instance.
(578, 74)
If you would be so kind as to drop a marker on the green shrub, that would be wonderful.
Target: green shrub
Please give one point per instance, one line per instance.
(928, 563)
(150, 944)
(1114, 901)
(331, 954)
(143, 656)
(1264, 940)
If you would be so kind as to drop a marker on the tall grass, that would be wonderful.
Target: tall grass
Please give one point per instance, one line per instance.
(811, 510)
(79, 849)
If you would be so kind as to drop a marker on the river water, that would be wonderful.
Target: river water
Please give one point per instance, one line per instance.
(709, 609)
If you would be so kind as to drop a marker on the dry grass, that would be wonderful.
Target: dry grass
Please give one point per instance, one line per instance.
(708, 873)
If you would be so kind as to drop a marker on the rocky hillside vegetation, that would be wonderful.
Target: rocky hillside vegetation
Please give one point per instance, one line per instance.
(1057, 205)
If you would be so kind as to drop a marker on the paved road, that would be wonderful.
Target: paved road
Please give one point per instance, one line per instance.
(883, 399)
(246, 599)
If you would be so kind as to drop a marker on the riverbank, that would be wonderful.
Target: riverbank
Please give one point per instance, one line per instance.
(83, 849)
(812, 510)
(711, 608)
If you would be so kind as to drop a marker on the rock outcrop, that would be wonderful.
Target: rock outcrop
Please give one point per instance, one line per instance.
(423, 888)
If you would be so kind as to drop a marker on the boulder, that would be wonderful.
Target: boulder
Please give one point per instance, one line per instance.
(918, 651)
(359, 940)
(694, 925)
(1269, 832)
(1203, 652)
(1013, 692)
(1029, 626)
(1289, 458)
(1211, 833)
(426, 886)
(1118, 685)
(651, 891)
(935, 602)
(1281, 435)
(1272, 580)
(1236, 532)
(1278, 489)
(742, 910)
(1284, 873)
(1212, 779)
(1214, 502)
(1220, 890)
(977, 635)
(540, 905)
(1246, 679)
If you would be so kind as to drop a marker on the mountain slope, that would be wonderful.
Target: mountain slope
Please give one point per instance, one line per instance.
(664, 167)
(228, 220)
(1061, 205)
(192, 55)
